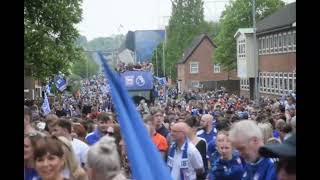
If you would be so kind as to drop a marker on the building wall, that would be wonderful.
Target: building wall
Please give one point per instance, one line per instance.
(203, 55)
(278, 62)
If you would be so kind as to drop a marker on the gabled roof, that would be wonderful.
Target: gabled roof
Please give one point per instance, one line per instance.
(243, 31)
(194, 45)
(283, 18)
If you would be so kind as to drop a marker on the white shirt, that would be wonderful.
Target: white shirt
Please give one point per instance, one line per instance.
(80, 149)
(194, 162)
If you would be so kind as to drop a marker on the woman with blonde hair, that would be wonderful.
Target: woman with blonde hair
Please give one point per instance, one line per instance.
(72, 168)
(267, 131)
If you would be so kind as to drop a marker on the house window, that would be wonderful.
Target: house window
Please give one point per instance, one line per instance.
(260, 46)
(289, 41)
(195, 84)
(285, 44)
(265, 45)
(216, 68)
(271, 44)
(294, 40)
(268, 45)
(279, 43)
(194, 67)
(275, 43)
(242, 48)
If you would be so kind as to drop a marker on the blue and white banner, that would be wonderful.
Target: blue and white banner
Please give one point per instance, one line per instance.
(137, 80)
(45, 106)
(162, 81)
(60, 82)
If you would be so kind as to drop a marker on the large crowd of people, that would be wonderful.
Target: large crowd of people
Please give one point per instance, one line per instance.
(144, 66)
(200, 135)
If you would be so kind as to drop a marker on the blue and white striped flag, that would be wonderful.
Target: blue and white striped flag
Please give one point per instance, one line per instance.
(145, 160)
(45, 106)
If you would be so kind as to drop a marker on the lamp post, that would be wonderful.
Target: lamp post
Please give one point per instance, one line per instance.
(255, 58)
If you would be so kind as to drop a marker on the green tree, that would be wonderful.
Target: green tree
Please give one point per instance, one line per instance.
(84, 66)
(239, 15)
(157, 61)
(74, 82)
(186, 22)
(49, 36)
(105, 43)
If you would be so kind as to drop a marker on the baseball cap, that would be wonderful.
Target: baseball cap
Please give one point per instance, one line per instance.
(286, 149)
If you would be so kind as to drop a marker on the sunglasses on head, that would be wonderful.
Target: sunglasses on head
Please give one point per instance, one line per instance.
(110, 133)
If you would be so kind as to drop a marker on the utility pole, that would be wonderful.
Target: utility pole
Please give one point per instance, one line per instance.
(255, 58)
(157, 65)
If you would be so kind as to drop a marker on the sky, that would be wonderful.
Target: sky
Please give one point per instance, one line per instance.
(103, 18)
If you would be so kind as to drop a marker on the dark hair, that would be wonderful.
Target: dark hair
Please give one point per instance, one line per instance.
(48, 145)
(103, 117)
(63, 123)
(192, 121)
(286, 129)
(288, 164)
(223, 125)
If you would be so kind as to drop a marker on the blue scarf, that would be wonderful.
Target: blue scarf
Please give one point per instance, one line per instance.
(184, 159)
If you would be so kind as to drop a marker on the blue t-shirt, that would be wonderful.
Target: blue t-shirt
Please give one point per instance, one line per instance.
(207, 136)
(227, 169)
(264, 169)
(31, 174)
(93, 137)
(211, 147)
(276, 133)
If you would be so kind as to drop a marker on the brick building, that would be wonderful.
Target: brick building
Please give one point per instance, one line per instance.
(276, 36)
(197, 69)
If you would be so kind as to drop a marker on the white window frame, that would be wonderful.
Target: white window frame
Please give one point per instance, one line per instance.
(294, 40)
(268, 45)
(216, 68)
(260, 45)
(275, 43)
(285, 42)
(195, 84)
(289, 41)
(279, 43)
(265, 44)
(271, 45)
(197, 68)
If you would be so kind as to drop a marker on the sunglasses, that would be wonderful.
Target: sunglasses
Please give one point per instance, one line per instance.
(110, 133)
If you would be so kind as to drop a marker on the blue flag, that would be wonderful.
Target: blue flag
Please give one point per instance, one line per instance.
(60, 82)
(145, 160)
(45, 106)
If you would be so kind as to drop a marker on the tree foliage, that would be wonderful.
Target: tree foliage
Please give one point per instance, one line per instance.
(186, 22)
(239, 15)
(74, 82)
(104, 43)
(85, 65)
(49, 36)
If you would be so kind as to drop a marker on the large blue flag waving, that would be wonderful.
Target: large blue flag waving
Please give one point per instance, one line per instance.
(145, 161)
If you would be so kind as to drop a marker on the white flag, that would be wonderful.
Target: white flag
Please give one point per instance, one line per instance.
(45, 106)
